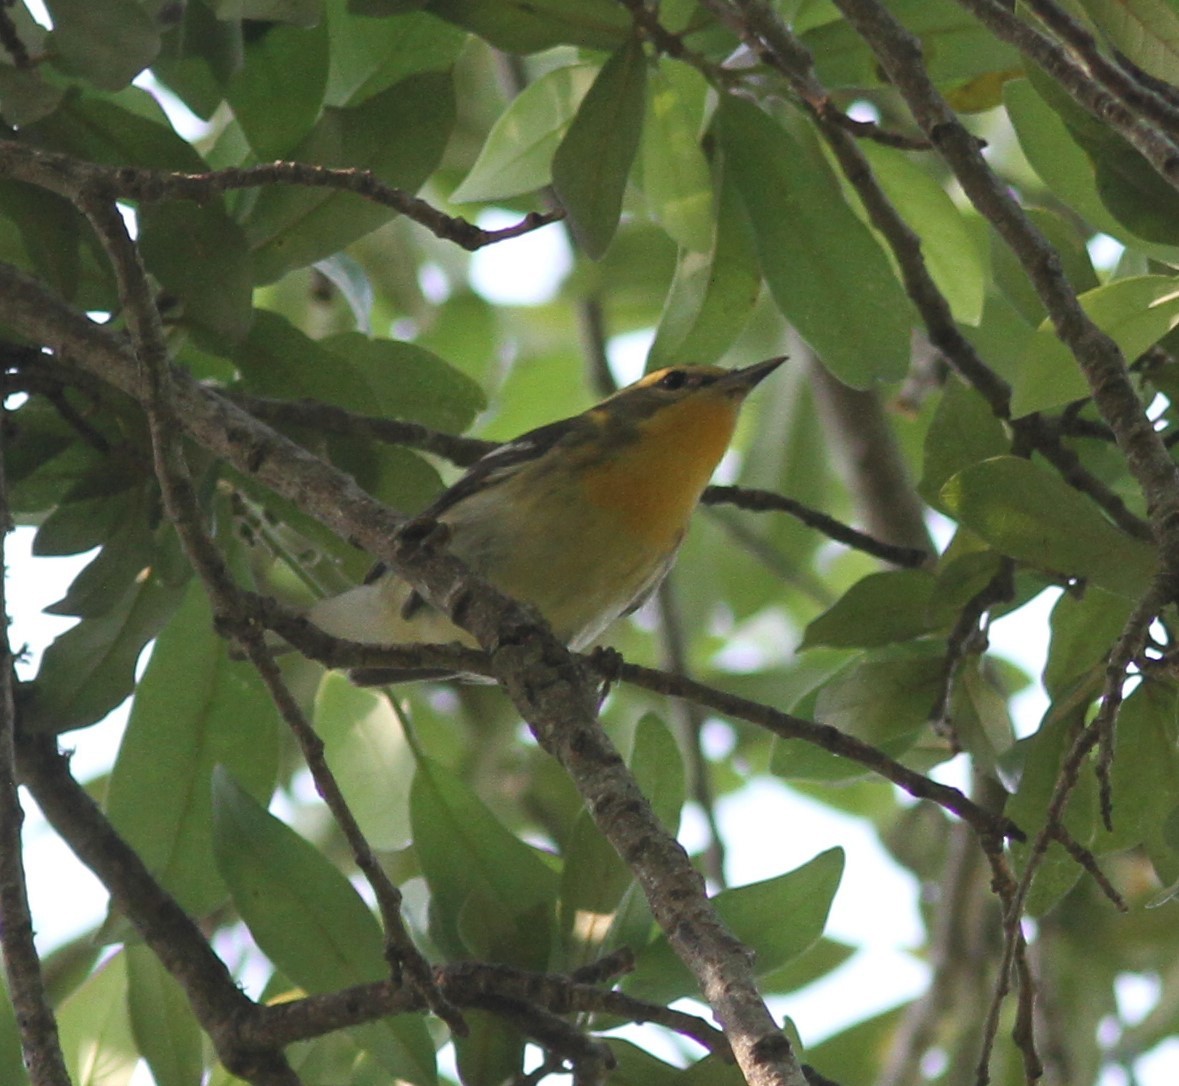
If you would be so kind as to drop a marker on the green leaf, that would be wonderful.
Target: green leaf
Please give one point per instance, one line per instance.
(309, 921)
(527, 26)
(1127, 184)
(594, 879)
(374, 377)
(199, 254)
(963, 431)
(676, 178)
(370, 55)
(947, 242)
(1145, 773)
(592, 163)
(12, 1065)
(470, 859)
(711, 296)
(1037, 761)
(818, 259)
(90, 669)
(493, 1051)
(95, 1031)
(408, 382)
(517, 155)
(108, 44)
(194, 709)
(105, 131)
(162, 1022)
(777, 919)
(51, 229)
(882, 608)
(658, 767)
(1144, 31)
(1136, 312)
(277, 93)
(367, 752)
(1083, 628)
(955, 46)
(298, 12)
(1033, 516)
(399, 134)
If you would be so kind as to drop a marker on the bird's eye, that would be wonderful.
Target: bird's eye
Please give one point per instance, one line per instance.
(673, 379)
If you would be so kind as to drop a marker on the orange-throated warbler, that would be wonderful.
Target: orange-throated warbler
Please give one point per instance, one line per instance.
(581, 518)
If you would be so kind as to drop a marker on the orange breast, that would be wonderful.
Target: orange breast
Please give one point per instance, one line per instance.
(653, 484)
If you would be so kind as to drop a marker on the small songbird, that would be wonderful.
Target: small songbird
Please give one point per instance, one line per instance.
(581, 518)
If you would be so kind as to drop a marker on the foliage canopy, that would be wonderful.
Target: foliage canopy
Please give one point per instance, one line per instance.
(961, 221)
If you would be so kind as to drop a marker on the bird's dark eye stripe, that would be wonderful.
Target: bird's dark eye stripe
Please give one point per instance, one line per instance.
(673, 379)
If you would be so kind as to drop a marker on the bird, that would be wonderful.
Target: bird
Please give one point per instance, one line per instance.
(581, 518)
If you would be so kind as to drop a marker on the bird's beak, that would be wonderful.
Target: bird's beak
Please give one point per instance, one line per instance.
(743, 381)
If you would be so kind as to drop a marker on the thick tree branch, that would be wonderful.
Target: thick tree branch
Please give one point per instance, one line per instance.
(552, 692)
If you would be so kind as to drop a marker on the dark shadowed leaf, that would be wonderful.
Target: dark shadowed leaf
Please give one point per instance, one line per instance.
(593, 161)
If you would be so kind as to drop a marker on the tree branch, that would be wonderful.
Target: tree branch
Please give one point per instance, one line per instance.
(22, 964)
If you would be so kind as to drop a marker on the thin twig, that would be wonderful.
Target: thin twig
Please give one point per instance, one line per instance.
(761, 500)
(985, 823)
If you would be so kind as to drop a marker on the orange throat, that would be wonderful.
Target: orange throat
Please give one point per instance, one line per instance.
(653, 484)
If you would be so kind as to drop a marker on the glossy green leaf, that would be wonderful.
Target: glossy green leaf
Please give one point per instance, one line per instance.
(51, 229)
(637, 1067)
(948, 245)
(90, 669)
(162, 1022)
(198, 58)
(1146, 32)
(373, 377)
(777, 919)
(956, 46)
(677, 181)
(517, 155)
(595, 882)
(1083, 627)
(963, 431)
(1136, 312)
(277, 93)
(881, 609)
(199, 254)
(527, 26)
(1145, 773)
(884, 699)
(493, 1051)
(95, 1030)
(399, 134)
(194, 709)
(309, 921)
(1126, 183)
(658, 767)
(818, 259)
(1030, 514)
(108, 44)
(1038, 759)
(298, 12)
(713, 294)
(408, 382)
(367, 751)
(111, 132)
(593, 160)
(370, 55)
(470, 861)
